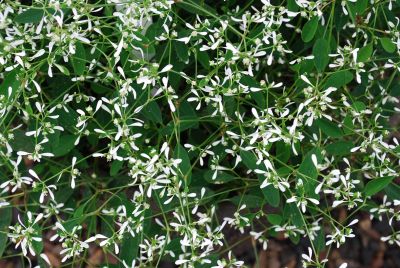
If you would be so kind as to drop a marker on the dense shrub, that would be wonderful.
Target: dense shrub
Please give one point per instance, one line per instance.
(135, 126)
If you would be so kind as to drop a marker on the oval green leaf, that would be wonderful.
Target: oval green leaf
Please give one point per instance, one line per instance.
(309, 29)
(321, 54)
(376, 185)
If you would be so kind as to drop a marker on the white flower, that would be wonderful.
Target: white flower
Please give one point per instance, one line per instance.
(340, 235)
(46, 189)
(24, 234)
(74, 172)
(302, 202)
(36, 155)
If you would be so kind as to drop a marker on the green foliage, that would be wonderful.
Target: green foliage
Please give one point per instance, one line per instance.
(158, 131)
(377, 184)
(309, 29)
(321, 54)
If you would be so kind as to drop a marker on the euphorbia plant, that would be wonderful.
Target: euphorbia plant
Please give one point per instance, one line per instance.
(129, 125)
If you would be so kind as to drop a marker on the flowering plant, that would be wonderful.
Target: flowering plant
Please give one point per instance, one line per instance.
(151, 130)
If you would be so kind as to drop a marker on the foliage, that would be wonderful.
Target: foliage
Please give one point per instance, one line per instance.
(130, 125)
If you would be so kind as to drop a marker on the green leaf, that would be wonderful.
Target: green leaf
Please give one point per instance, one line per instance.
(154, 30)
(79, 59)
(65, 145)
(21, 142)
(62, 195)
(291, 212)
(358, 106)
(174, 245)
(309, 173)
(339, 79)
(5, 221)
(249, 159)
(283, 151)
(377, 185)
(251, 201)
(329, 128)
(129, 248)
(78, 213)
(203, 58)
(152, 112)
(81, 212)
(348, 126)
(68, 119)
(357, 7)
(184, 123)
(115, 167)
(274, 219)
(339, 148)
(321, 54)
(222, 177)
(388, 45)
(284, 171)
(32, 15)
(10, 81)
(196, 7)
(99, 88)
(271, 194)
(187, 119)
(38, 245)
(365, 53)
(319, 242)
(185, 167)
(309, 29)
(393, 191)
(292, 5)
(182, 51)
